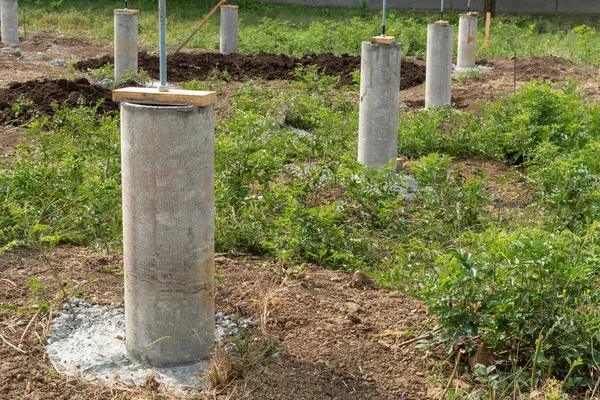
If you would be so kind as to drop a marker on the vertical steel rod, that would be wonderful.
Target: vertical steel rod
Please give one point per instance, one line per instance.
(383, 17)
(24, 22)
(469, 6)
(515, 75)
(442, 11)
(162, 19)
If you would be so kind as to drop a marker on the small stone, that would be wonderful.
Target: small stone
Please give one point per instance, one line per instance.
(290, 325)
(105, 82)
(360, 280)
(435, 392)
(461, 385)
(59, 63)
(354, 318)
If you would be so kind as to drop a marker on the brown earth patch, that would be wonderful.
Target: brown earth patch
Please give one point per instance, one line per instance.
(507, 184)
(31, 58)
(9, 137)
(490, 85)
(187, 66)
(336, 341)
(44, 94)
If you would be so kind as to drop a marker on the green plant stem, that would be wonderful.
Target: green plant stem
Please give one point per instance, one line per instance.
(48, 262)
(453, 375)
(538, 347)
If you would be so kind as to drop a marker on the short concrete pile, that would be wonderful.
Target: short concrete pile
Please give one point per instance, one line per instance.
(9, 21)
(438, 80)
(379, 101)
(229, 29)
(467, 41)
(126, 42)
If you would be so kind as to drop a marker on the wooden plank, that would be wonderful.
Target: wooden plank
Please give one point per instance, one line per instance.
(487, 29)
(126, 10)
(200, 25)
(383, 39)
(173, 96)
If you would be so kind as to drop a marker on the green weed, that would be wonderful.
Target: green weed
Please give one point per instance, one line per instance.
(107, 71)
(65, 179)
(471, 74)
(39, 303)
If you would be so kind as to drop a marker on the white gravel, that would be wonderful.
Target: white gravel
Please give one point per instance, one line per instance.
(93, 346)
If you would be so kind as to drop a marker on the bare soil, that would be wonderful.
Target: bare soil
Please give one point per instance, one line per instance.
(31, 59)
(187, 66)
(339, 336)
(492, 84)
(45, 94)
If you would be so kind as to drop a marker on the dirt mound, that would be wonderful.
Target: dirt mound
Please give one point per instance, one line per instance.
(491, 84)
(43, 93)
(187, 66)
(529, 68)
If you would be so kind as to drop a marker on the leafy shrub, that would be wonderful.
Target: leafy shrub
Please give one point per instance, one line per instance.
(445, 204)
(513, 127)
(517, 287)
(568, 184)
(508, 130)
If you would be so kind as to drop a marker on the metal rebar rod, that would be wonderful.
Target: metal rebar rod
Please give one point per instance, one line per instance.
(383, 17)
(126, 4)
(162, 20)
(24, 22)
(515, 75)
(442, 11)
(469, 6)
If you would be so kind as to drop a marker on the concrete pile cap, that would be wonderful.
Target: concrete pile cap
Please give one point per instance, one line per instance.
(383, 39)
(229, 6)
(173, 96)
(441, 23)
(471, 14)
(125, 10)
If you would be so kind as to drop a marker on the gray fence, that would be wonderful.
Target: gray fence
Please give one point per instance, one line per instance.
(541, 7)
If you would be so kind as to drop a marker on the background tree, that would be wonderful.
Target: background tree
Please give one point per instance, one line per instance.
(489, 6)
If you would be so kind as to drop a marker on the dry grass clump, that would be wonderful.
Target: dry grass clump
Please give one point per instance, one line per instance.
(231, 362)
(221, 370)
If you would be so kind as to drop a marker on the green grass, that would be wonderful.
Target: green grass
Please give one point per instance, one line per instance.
(298, 30)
